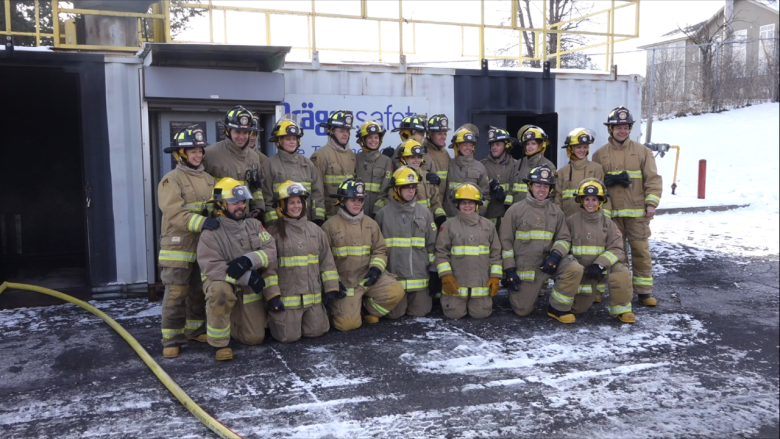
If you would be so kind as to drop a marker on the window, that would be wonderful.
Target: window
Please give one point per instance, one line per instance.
(766, 48)
(739, 52)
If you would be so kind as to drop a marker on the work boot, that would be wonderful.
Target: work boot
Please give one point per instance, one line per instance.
(368, 318)
(627, 317)
(561, 316)
(171, 352)
(647, 300)
(203, 338)
(224, 354)
(597, 298)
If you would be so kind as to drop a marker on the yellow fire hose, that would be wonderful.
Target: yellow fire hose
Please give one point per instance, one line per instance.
(174, 388)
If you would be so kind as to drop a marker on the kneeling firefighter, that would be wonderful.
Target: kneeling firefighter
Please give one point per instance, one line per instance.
(360, 253)
(237, 261)
(307, 274)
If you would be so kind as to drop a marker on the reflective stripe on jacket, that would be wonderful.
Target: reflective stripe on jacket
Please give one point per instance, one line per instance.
(356, 246)
(520, 189)
(284, 166)
(226, 159)
(464, 169)
(335, 164)
(468, 247)
(569, 178)
(595, 239)
(504, 174)
(376, 171)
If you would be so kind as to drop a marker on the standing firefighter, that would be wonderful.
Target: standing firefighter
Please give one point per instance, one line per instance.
(410, 235)
(374, 168)
(182, 195)
(335, 161)
(360, 254)
(464, 169)
(412, 155)
(238, 261)
(286, 165)
(577, 147)
(635, 191)
(435, 146)
(254, 144)
(501, 168)
(468, 259)
(598, 246)
(536, 244)
(307, 274)
(414, 128)
(534, 142)
(234, 157)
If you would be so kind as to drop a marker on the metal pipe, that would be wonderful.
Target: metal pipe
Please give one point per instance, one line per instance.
(702, 178)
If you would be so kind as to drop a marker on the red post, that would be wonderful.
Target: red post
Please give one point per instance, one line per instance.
(702, 178)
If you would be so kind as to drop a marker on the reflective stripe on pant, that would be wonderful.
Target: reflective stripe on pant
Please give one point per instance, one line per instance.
(414, 303)
(476, 306)
(636, 231)
(238, 313)
(377, 300)
(291, 324)
(567, 282)
(183, 306)
(620, 292)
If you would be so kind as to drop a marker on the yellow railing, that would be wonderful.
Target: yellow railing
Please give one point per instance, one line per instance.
(161, 20)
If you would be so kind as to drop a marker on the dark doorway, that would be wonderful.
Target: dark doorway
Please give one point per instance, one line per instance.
(512, 121)
(42, 207)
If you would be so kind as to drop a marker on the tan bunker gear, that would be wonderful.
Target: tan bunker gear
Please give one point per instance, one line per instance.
(226, 159)
(335, 164)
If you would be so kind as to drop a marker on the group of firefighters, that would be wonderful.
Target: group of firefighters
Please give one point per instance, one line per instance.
(354, 238)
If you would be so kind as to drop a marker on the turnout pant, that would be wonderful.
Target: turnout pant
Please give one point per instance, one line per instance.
(567, 280)
(619, 287)
(636, 231)
(184, 304)
(413, 303)
(292, 324)
(477, 305)
(376, 300)
(233, 311)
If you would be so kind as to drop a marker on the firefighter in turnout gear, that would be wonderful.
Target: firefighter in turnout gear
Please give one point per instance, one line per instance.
(534, 142)
(410, 235)
(468, 258)
(435, 147)
(464, 169)
(536, 244)
(234, 157)
(182, 196)
(412, 155)
(254, 144)
(411, 128)
(501, 168)
(307, 277)
(597, 244)
(286, 165)
(335, 161)
(237, 261)
(360, 253)
(373, 167)
(577, 146)
(635, 190)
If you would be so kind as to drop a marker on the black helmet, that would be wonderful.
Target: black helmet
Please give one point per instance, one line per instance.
(412, 123)
(499, 135)
(190, 137)
(620, 116)
(541, 174)
(438, 122)
(351, 188)
(240, 119)
(339, 119)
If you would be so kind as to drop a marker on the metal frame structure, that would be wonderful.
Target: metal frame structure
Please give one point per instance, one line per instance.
(162, 28)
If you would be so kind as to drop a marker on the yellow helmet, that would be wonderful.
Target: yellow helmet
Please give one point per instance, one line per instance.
(411, 148)
(468, 191)
(286, 127)
(287, 190)
(229, 191)
(370, 127)
(591, 186)
(462, 135)
(578, 136)
(404, 176)
(533, 132)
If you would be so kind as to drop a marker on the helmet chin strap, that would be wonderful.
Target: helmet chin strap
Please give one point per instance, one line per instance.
(335, 139)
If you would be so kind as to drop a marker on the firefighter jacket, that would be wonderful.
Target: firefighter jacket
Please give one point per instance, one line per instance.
(646, 184)
(520, 189)
(231, 240)
(595, 239)
(284, 166)
(441, 158)
(428, 195)
(504, 173)
(468, 247)
(260, 154)
(410, 235)
(376, 171)
(357, 245)
(569, 179)
(464, 169)
(530, 231)
(182, 196)
(335, 164)
(226, 159)
(306, 266)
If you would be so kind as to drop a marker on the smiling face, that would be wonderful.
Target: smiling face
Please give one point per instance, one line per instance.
(590, 203)
(295, 206)
(342, 135)
(621, 132)
(194, 156)
(466, 148)
(467, 206)
(439, 138)
(240, 138)
(237, 209)
(581, 151)
(531, 146)
(289, 143)
(372, 141)
(540, 191)
(354, 205)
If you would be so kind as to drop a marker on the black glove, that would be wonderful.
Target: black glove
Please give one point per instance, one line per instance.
(494, 186)
(342, 292)
(238, 266)
(319, 222)
(256, 282)
(433, 178)
(328, 297)
(389, 151)
(210, 224)
(550, 265)
(252, 177)
(276, 304)
(614, 179)
(595, 272)
(439, 221)
(434, 284)
(371, 277)
(511, 279)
